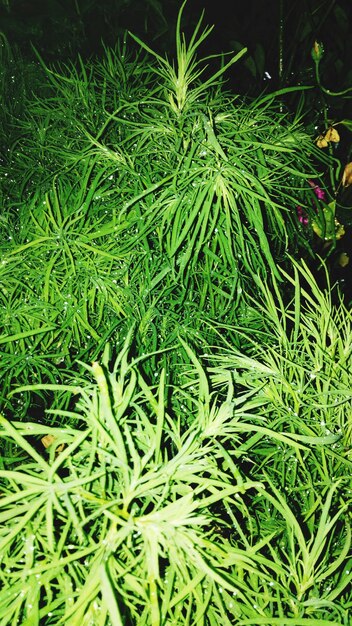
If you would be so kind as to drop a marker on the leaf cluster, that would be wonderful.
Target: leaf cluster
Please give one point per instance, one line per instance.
(198, 470)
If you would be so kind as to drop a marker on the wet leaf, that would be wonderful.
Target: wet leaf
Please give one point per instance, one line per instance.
(326, 225)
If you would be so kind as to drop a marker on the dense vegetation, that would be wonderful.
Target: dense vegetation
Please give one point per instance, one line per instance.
(175, 362)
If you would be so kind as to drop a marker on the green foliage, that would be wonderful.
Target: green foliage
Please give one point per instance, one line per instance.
(136, 514)
(126, 505)
(304, 360)
(198, 470)
(145, 190)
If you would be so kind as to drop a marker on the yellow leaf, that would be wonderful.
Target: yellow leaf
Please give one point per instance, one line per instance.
(332, 135)
(321, 142)
(48, 441)
(347, 175)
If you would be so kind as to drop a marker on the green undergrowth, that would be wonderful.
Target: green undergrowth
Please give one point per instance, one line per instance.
(223, 494)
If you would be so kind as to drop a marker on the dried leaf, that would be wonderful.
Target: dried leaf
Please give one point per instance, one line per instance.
(332, 135)
(321, 142)
(48, 441)
(347, 175)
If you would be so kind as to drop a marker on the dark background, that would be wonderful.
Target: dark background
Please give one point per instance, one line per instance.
(279, 34)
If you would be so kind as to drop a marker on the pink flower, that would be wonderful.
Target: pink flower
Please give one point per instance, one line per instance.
(319, 192)
(302, 216)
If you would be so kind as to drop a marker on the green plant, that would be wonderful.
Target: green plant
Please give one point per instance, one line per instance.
(117, 526)
(302, 362)
(197, 472)
(135, 515)
(145, 192)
